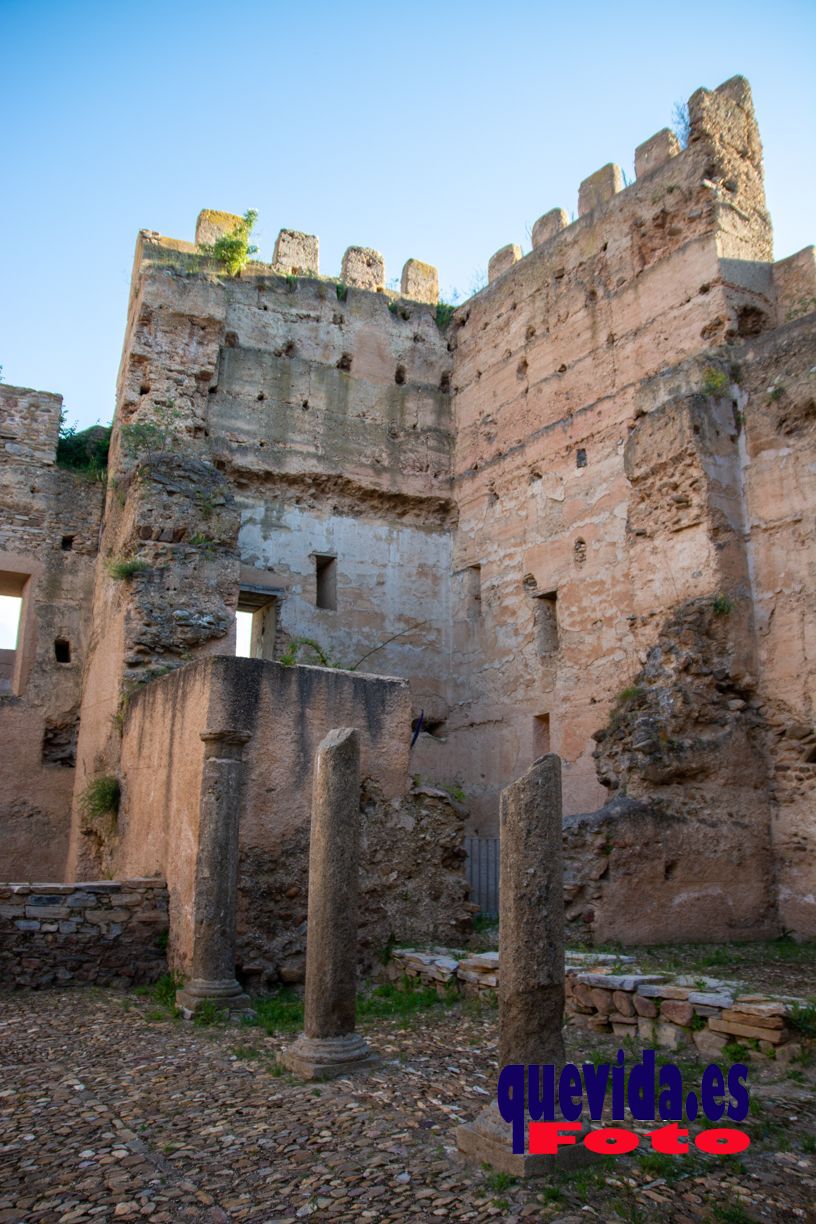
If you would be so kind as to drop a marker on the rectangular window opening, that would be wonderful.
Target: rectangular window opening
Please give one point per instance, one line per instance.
(256, 623)
(326, 582)
(546, 622)
(11, 623)
(541, 736)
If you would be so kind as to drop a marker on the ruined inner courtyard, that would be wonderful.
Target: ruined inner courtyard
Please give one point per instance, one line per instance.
(528, 578)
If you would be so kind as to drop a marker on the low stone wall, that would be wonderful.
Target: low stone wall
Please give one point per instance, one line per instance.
(608, 994)
(105, 933)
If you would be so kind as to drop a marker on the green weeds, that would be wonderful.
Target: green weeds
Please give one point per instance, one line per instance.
(233, 250)
(123, 568)
(715, 382)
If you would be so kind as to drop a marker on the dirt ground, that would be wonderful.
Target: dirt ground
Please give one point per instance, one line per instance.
(110, 1108)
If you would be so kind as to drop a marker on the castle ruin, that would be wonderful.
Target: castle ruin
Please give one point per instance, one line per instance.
(575, 514)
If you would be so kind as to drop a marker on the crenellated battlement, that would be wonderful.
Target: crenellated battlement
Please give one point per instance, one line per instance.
(712, 185)
(295, 254)
(718, 174)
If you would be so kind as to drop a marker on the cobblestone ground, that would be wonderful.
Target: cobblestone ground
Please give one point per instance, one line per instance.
(109, 1112)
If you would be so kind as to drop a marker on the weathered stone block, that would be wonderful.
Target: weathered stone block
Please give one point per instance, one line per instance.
(753, 1006)
(49, 913)
(710, 998)
(363, 268)
(101, 915)
(757, 1019)
(420, 282)
(655, 152)
(599, 188)
(212, 224)
(548, 226)
(677, 1012)
(625, 981)
(734, 1029)
(671, 1036)
(601, 1000)
(296, 254)
(624, 1002)
(663, 992)
(504, 259)
(710, 1045)
(645, 1007)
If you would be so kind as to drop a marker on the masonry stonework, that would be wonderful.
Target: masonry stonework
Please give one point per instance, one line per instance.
(574, 515)
(102, 933)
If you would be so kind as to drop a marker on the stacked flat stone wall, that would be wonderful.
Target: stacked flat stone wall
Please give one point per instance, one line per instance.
(105, 933)
(608, 994)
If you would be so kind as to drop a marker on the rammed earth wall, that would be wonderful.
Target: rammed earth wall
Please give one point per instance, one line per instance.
(105, 933)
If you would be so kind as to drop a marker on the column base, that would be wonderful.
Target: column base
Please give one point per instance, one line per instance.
(224, 996)
(327, 1057)
(489, 1139)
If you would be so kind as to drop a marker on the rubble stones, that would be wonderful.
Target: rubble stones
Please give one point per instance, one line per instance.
(657, 1009)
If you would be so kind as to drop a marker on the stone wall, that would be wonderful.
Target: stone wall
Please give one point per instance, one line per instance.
(49, 526)
(608, 994)
(314, 414)
(104, 933)
(413, 878)
(560, 365)
(523, 508)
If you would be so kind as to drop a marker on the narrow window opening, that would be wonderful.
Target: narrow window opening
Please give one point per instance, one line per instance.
(541, 735)
(62, 650)
(243, 634)
(326, 582)
(581, 457)
(580, 551)
(10, 608)
(546, 622)
(67, 543)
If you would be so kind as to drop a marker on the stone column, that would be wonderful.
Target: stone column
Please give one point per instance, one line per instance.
(216, 878)
(531, 955)
(328, 1045)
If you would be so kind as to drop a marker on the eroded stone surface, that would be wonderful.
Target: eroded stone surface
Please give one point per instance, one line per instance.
(364, 268)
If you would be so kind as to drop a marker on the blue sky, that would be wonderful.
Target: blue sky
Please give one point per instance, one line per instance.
(438, 133)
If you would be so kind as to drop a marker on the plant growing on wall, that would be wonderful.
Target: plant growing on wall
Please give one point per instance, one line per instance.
(234, 250)
(444, 314)
(84, 451)
(154, 433)
(715, 382)
(101, 796)
(122, 568)
(290, 655)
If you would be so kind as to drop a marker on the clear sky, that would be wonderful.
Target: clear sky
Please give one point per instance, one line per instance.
(438, 132)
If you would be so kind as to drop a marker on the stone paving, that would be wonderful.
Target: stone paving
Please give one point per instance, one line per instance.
(108, 1111)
